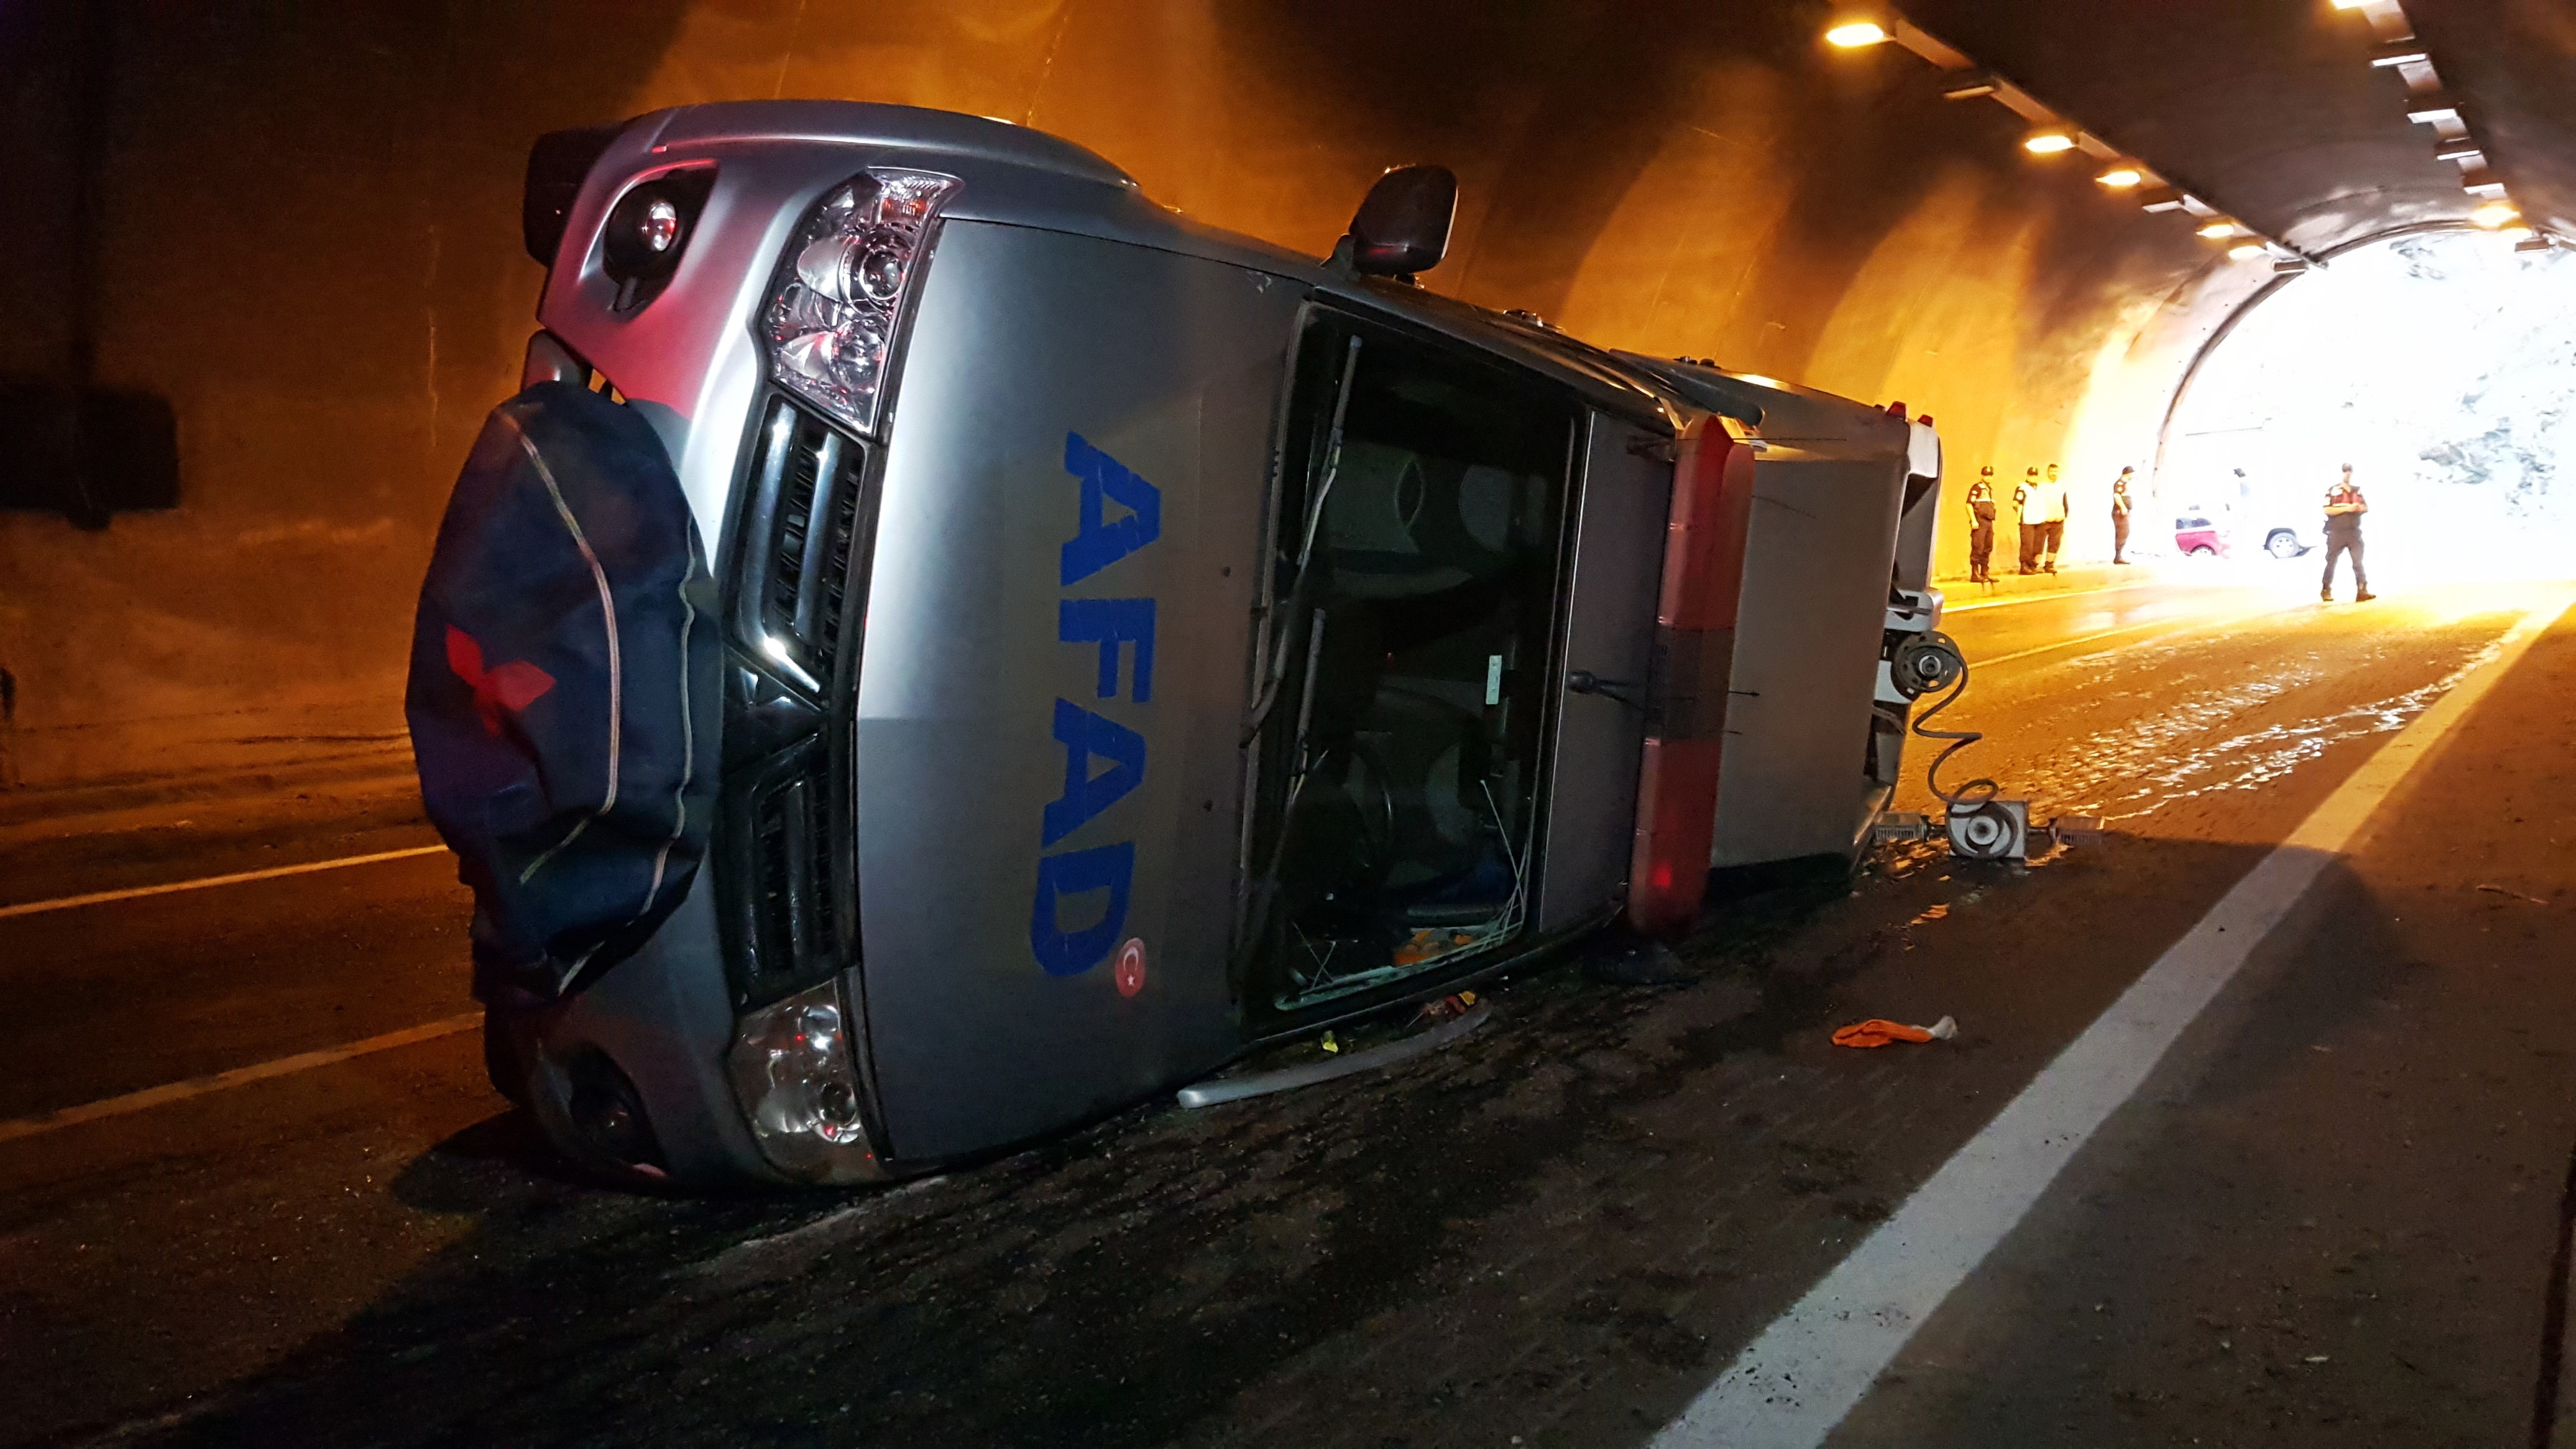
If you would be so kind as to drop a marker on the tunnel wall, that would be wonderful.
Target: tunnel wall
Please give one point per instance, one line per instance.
(306, 240)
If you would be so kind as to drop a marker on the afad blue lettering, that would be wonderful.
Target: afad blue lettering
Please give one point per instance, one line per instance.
(1117, 628)
(1074, 873)
(1085, 735)
(1100, 542)
(1110, 623)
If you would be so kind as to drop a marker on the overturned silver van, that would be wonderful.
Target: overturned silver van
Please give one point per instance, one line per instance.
(1141, 642)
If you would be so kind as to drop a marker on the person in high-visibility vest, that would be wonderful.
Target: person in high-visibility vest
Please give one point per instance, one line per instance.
(1981, 527)
(2048, 506)
(2120, 516)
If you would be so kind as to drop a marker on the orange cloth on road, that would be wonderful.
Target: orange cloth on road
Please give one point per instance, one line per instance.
(1878, 1033)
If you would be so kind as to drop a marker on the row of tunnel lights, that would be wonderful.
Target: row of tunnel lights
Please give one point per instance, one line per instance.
(2429, 104)
(1854, 31)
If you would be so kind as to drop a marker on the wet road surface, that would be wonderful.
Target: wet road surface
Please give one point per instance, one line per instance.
(2339, 1214)
(1561, 1229)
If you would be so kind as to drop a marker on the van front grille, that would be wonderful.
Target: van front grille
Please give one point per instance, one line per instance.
(788, 877)
(801, 541)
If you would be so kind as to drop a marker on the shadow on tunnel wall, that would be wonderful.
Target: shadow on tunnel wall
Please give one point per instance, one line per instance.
(263, 249)
(68, 446)
(304, 241)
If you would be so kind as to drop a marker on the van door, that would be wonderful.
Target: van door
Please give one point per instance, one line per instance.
(1609, 635)
(1409, 679)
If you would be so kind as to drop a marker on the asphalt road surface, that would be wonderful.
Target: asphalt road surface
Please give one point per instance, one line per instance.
(2334, 1214)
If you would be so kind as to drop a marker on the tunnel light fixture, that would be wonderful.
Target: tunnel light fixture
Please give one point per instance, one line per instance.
(2517, 234)
(2432, 109)
(2535, 243)
(2121, 178)
(2219, 230)
(2495, 214)
(2387, 18)
(1860, 24)
(2048, 143)
(2247, 251)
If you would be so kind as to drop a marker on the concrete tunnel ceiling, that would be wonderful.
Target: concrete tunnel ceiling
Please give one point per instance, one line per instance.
(1672, 176)
(2272, 111)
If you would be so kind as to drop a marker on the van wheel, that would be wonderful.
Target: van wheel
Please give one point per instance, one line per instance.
(2282, 543)
(2202, 551)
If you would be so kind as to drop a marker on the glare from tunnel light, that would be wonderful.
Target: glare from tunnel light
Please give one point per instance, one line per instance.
(2048, 143)
(1758, 380)
(2219, 230)
(2121, 178)
(2495, 214)
(2246, 251)
(2517, 234)
(2350, 4)
(1852, 35)
(772, 646)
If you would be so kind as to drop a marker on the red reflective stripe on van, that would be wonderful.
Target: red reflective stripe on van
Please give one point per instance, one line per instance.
(1704, 548)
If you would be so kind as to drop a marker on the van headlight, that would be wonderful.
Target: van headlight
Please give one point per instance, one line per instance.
(833, 313)
(793, 1073)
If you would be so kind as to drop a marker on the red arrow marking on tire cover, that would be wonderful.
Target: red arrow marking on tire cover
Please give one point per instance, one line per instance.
(512, 686)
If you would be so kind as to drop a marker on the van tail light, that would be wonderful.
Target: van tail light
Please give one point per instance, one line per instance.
(1704, 547)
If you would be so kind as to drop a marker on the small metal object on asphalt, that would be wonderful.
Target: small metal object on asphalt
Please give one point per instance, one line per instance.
(1904, 825)
(2067, 827)
(1989, 830)
(2517, 895)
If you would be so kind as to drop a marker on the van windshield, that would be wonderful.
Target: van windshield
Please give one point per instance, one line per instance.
(1414, 596)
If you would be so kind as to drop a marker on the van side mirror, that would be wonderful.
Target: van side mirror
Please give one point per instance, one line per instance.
(1402, 226)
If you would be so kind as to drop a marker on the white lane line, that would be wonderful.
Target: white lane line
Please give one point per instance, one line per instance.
(2043, 595)
(151, 1097)
(1792, 1385)
(99, 898)
(2182, 627)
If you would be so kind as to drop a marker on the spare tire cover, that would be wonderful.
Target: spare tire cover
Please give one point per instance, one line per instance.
(564, 689)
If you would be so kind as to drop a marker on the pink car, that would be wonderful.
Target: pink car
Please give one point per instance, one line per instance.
(2195, 536)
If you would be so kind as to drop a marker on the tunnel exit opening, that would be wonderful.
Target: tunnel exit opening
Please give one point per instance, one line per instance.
(2441, 365)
